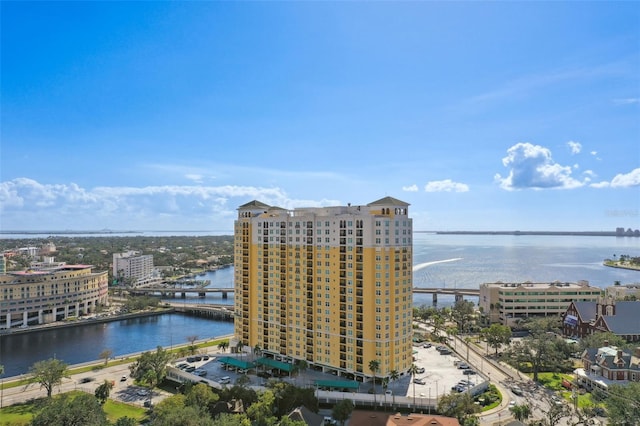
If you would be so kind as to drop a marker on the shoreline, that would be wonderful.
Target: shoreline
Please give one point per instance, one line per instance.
(628, 268)
(79, 322)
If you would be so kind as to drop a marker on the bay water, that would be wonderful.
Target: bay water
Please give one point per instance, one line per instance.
(451, 261)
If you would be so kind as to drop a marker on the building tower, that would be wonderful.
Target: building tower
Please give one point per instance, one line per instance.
(330, 285)
(132, 267)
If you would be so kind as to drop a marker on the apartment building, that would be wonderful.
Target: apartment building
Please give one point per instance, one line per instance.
(330, 285)
(46, 295)
(133, 268)
(507, 303)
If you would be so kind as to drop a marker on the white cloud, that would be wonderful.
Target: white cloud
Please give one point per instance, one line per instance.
(411, 188)
(532, 166)
(621, 180)
(197, 178)
(575, 147)
(626, 101)
(446, 185)
(625, 180)
(135, 206)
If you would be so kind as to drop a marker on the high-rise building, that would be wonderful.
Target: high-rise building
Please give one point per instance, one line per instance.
(133, 268)
(328, 285)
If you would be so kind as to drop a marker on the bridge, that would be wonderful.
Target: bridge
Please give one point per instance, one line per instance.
(209, 310)
(202, 292)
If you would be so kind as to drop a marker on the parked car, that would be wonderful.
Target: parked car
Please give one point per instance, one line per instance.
(224, 380)
(420, 370)
(123, 378)
(419, 381)
(388, 392)
(87, 379)
(469, 372)
(427, 345)
(264, 374)
(516, 390)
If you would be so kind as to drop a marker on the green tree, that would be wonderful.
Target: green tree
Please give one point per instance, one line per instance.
(49, 374)
(103, 391)
(462, 313)
(192, 343)
(227, 419)
(342, 410)
(458, 405)
(521, 412)
(201, 395)
(223, 345)
(286, 421)
(374, 366)
(542, 350)
(71, 410)
(126, 421)
(597, 340)
(496, 336)
(105, 354)
(183, 416)
(261, 412)
(623, 404)
(413, 370)
(289, 397)
(151, 367)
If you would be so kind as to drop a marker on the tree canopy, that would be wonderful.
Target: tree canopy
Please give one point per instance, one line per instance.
(67, 409)
(623, 404)
(49, 373)
(151, 367)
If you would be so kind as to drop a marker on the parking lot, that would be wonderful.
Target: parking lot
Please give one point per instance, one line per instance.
(440, 374)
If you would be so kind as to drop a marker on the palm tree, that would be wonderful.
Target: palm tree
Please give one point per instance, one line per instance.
(223, 345)
(413, 370)
(385, 386)
(257, 351)
(521, 412)
(394, 375)
(239, 347)
(374, 366)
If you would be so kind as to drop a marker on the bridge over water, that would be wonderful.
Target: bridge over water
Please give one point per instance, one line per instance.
(459, 293)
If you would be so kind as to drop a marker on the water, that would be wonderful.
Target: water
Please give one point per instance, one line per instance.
(453, 261)
(84, 343)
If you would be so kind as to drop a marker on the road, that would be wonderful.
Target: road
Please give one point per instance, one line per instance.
(124, 391)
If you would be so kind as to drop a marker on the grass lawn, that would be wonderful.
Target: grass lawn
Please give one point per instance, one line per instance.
(22, 414)
(115, 410)
(554, 380)
(17, 415)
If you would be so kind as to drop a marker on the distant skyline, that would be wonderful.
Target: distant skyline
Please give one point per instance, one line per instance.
(494, 116)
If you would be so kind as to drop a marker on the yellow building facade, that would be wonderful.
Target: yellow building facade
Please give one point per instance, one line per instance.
(35, 297)
(330, 285)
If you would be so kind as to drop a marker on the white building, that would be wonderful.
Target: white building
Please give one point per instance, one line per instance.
(133, 267)
(508, 302)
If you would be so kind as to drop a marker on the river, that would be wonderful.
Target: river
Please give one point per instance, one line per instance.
(453, 261)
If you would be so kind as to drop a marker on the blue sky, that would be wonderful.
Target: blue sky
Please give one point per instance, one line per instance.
(169, 115)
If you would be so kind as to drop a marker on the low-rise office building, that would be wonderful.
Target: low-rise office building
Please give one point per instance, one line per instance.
(507, 303)
(42, 296)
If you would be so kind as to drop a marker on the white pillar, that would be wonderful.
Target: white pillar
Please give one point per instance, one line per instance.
(8, 320)
(25, 317)
(66, 311)
(77, 309)
(40, 316)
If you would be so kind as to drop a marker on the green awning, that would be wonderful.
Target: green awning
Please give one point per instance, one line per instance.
(272, 363)
(236, 362)
(341, 384)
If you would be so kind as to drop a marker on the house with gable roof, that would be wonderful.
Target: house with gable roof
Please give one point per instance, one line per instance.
(621, 318)
(608, 365)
